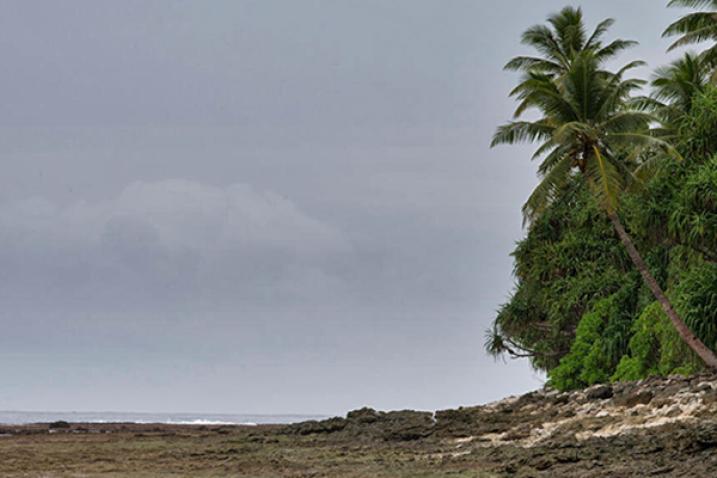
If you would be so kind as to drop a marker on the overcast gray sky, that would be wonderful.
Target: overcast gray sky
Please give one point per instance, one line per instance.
(263, 206)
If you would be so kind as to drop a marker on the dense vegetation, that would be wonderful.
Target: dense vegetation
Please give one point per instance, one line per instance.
(615, 158)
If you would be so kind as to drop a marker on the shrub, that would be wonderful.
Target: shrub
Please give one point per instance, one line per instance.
(586, 363)
(696, 300)
(694, 218)
(655, 349)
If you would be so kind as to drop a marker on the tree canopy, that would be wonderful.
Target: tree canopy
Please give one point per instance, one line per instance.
(621, 171)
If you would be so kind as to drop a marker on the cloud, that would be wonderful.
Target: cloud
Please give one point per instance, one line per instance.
(169, 238)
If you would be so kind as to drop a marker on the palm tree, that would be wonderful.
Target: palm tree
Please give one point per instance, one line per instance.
(558, 44)
(682, 80)
(675, 87)
(590, 130)
(696, 27)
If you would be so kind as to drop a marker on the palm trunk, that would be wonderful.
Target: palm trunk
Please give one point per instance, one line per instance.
(686, 334)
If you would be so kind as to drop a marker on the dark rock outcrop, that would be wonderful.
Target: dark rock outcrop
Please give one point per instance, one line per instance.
(367, 423)
(654, 427)
(599, 392)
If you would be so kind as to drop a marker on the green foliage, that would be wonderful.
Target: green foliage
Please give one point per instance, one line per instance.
(586, 363)
(694, 217)
(562, 272)
(655, 349)
(579, 309)
(589, 125)
(563, 37)
(695, 27)
(697, 131)
(696, 299)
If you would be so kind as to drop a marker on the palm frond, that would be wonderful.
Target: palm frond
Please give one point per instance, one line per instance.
(643, 141)
(605, 178)
(614, 48)
(591, 123)
(553, 158)
(600, 30)
(548, 189)
(644, 103)
(647, 169)
(692, 3)
(628, 121)
(522, 131)
(531, 63)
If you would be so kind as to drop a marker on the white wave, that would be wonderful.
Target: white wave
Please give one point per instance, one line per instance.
(200, 421)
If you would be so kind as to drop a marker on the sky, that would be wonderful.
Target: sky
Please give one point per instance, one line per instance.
(264, 206)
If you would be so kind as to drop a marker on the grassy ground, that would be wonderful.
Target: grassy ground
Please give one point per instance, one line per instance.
(202, 452)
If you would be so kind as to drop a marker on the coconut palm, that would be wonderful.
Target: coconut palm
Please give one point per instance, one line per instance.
(558, 43)
(696, 27)
(590, 130)
(675, 87)
(678, 83)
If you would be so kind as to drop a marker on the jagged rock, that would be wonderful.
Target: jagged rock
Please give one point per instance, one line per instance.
(599, 392)
(368, 423)
(710, 397)
(461, 422)
(598, 432)
(561, 399)
(363, 415)
(706, 435)
(406, 425)
(331, 425)
(640, 397)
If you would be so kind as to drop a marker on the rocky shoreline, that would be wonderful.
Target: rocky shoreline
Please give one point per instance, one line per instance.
(656, 427)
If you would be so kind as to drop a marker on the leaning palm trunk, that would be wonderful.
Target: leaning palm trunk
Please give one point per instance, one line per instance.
(685, 333)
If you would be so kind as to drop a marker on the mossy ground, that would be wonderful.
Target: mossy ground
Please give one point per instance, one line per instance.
(203, 452)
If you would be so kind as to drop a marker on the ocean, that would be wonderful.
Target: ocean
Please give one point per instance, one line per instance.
(22, 418)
